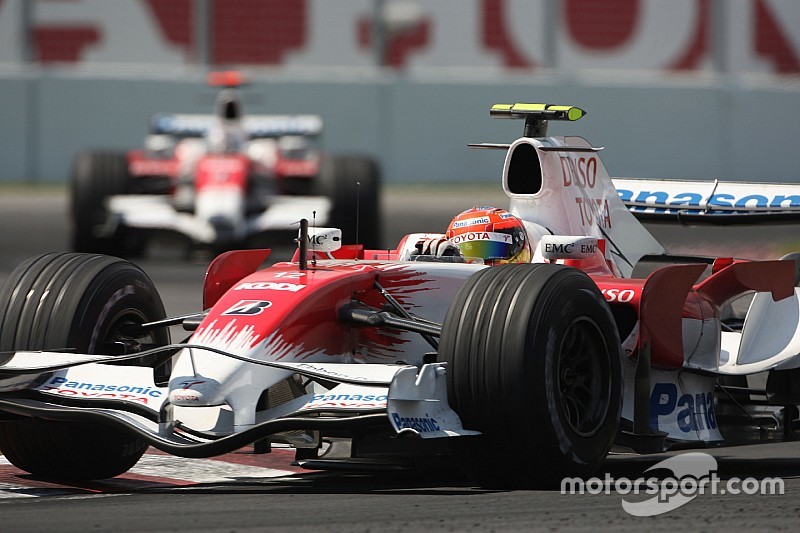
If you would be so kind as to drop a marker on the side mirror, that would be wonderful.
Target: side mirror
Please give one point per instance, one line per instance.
(568, 246)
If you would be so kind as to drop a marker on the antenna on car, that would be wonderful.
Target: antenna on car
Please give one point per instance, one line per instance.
(303, 244)
(358, 211)
(314, 240)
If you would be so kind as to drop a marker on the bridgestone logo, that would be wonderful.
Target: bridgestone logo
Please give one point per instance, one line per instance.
(248, 307)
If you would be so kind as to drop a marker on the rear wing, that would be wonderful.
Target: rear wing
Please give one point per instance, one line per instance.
(713, 202)
(257, 126)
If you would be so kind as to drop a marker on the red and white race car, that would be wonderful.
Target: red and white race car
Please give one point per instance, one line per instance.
(525, 373)
(219, 180)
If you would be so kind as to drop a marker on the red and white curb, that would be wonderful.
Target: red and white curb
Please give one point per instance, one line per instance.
(157, 470)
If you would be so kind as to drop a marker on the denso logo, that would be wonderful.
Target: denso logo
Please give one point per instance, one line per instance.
(269, 286)
(691, 412)
(581, 171)
(618, 295)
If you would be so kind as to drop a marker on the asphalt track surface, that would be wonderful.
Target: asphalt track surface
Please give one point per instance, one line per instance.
(248, 492)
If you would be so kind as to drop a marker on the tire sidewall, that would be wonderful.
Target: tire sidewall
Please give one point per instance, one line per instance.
(96, 176)
(353, 183)
(561, 439)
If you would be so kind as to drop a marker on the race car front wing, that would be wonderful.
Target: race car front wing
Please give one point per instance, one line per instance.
(75, 387)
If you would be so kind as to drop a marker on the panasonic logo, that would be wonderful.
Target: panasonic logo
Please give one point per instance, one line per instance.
(61, 382)
(470, 222)
(697, 200)
(422, 424)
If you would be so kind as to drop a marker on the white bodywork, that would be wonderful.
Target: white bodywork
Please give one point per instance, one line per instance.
(577, 197)
(681, 404)
(769, 339)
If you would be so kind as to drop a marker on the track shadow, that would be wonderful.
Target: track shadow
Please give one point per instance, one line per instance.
(435, 481)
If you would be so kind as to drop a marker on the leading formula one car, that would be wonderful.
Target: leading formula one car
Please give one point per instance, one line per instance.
(523, 373)
(220, 181)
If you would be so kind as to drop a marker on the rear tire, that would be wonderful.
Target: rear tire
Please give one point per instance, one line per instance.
(534, 363)
(80, 301)
(353, 185)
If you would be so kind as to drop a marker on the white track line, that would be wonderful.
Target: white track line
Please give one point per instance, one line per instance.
(161, 469)
(201, 470)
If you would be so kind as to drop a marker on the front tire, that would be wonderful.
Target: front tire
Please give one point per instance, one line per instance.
(96, 176)
(534, 363)
(85, 302)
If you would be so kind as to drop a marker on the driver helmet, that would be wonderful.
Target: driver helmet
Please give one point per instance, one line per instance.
(227, 135)
(491, 234)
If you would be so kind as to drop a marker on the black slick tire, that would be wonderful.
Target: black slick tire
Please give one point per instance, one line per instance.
(353, 185)
(96, 176)
(85, 302)
(534, 363)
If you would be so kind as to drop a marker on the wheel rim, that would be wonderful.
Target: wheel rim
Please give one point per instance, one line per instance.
(116, 339)
(584, 377)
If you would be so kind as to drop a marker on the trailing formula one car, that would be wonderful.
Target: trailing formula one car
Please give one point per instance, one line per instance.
(219, 180)
(523, 373)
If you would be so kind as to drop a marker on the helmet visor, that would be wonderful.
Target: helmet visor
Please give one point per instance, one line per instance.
(486, 245)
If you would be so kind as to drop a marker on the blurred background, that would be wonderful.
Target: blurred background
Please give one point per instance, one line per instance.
(696, 89)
